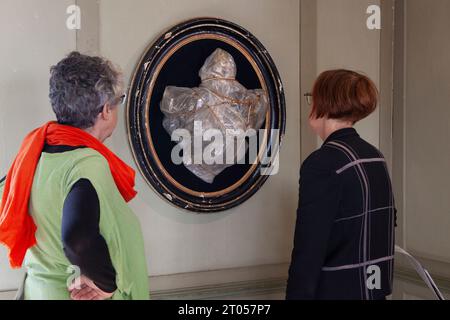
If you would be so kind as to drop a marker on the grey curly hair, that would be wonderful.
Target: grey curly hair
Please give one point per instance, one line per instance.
(80, 86)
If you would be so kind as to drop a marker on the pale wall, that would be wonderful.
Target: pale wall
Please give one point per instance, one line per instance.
(426, 112)
(259, 231)
(33, 36)
(344, 41)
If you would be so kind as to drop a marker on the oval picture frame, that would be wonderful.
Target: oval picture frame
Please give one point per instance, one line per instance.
(174, 59)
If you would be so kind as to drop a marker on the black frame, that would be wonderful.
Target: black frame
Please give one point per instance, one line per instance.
(140, 106)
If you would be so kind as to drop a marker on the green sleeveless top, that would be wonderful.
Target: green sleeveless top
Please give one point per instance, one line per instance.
(48, 269)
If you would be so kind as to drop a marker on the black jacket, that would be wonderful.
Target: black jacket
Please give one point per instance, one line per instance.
(344, 235)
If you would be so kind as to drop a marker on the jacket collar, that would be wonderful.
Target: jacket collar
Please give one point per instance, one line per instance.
(338, 134)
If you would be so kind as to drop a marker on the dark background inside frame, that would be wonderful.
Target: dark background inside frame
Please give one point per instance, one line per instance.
(181, 70)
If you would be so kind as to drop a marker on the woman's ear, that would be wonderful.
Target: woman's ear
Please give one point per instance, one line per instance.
(105, 114)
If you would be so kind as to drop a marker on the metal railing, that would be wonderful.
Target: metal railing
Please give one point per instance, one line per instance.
(423, 273)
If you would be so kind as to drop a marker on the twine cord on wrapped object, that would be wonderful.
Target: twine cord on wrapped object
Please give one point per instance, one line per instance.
(219, 102)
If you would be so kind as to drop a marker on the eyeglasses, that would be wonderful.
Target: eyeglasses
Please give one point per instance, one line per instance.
(308, 97)
(120, 100)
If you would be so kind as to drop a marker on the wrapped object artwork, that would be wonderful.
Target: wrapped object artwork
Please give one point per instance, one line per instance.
(221, 103)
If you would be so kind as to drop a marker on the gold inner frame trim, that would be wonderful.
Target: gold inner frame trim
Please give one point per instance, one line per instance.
(148, 106)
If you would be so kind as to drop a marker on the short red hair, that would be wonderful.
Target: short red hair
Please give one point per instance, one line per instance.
(343, 94)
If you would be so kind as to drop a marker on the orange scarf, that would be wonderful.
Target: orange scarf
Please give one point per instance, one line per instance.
(17, 228)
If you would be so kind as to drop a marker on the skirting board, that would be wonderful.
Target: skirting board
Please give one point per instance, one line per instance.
(260, 282)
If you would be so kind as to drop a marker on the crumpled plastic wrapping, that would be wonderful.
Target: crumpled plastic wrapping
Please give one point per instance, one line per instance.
(220, 102)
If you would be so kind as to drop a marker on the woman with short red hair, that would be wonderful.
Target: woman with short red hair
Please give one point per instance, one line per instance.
(344, 235)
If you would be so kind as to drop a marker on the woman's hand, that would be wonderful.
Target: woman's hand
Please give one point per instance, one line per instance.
(87, 290)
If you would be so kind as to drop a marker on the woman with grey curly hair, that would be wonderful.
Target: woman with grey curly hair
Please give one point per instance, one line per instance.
(63, 210)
